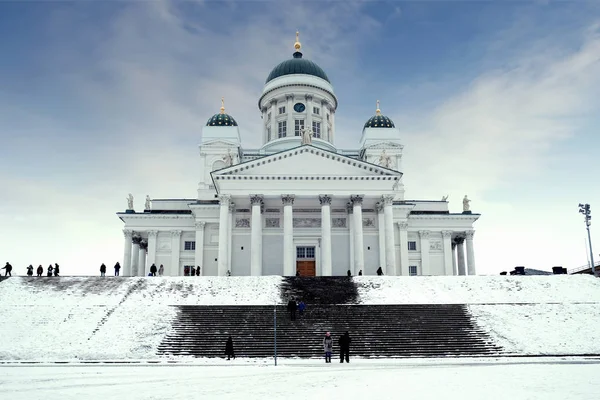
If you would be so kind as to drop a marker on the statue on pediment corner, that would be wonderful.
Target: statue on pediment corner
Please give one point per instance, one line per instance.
(307, 134)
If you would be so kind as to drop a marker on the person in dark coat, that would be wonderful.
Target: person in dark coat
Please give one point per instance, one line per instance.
(344, 343)
(103, 270)
(297, 273)
(117, 268)
(229, 348)
(192, 271)
(379, 271)
(30, 270)
(360, 273)
(198, 270)
(292, 309)
(328, 347)
(349, 273)
(56, 269)
(50, 268)
(40, 271)
(301, 308)
(8, 268)
(153, 269)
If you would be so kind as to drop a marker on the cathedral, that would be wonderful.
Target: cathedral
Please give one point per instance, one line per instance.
(298, 204)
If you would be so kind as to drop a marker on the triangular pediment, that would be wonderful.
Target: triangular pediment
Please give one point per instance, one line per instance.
(384, 146)
(219, 143)
(306, 161)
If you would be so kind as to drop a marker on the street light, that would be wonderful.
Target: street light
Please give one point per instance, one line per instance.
(587, 215)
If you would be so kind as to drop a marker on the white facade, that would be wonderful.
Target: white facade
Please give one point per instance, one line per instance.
(289, 206)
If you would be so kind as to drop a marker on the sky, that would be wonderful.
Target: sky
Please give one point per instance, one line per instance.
(496, 100)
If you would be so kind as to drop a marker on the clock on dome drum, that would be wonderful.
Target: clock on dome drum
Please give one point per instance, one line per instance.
(299, 107)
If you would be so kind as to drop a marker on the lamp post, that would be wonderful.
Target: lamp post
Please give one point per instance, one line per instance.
(587, 215)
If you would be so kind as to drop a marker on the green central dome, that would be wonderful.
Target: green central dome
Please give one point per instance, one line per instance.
(297, 65)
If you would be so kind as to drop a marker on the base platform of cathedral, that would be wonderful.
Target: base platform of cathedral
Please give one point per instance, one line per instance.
(502, 328)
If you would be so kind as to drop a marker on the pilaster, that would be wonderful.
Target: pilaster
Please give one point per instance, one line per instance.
(199, 252)
(425, 267)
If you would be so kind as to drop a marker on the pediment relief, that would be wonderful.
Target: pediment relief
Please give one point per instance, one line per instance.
(384, 146)
(220, 143)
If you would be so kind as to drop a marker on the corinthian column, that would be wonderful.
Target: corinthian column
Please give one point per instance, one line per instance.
(460, 255)
(447, 239)
(359, 252)
(424, 235)
(403, 235)
(142, 261)
(326, 265)
(256, 238)
(288, 235)
(381, 226)
(128, 233)
(175, 252)
(223, 230)
(152, 247)
(390, 245)
(470, 253)
(199, 252)
(135, 255)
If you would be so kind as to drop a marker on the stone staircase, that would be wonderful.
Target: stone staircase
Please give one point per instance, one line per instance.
(2, 278)
(391, 331)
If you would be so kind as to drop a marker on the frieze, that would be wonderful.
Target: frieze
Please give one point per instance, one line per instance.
(272, 222)
(368, 223)
(242, 222)
(272, 210)
(435, 245)
(307, 210)
(307, 222)
(338, 222)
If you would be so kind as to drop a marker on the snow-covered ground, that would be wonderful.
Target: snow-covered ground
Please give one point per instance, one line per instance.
(523, 380)
(117, 318)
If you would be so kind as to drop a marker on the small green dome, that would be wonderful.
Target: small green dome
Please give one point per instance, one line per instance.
(221, 120)
(379, 121)
(297, 65)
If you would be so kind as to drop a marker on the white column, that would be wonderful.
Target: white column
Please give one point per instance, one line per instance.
(135, 256)
(289, 109)
(223, 231)
(326, 132)
(309, 110)
(460, 255)
(326, 265)
(390, 245)
(152, 235)
(403, 234)
(289, 269)
(381, 225)
(199, 252)
(447, 241)
(351, 235)
(359, 252)
(142, 259)
(256, 238)
(274, 112)
(126, 267)
(470, 253)
(425, 269)
(230, 222)
(454, 267)
(175, 251)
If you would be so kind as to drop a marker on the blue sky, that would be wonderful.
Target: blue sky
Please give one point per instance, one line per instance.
(497, 100)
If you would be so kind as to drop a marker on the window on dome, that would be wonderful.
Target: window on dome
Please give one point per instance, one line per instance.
(282, 129)
(282, 110)
(298, 126)
(268, 133)
(316, 110)
(316, 129)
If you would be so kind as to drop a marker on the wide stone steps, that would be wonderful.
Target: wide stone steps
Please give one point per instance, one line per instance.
(376, 331)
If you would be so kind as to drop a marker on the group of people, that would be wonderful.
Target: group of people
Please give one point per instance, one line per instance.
(344, 343)
(292, 306)
(51, 271)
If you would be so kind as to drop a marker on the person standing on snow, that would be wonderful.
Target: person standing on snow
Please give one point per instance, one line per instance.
(161, 270)
(344, 343)
(103, 270)
(229, 348)
(8, 268)
(56, 269)
(30, 270)
(328, 347)
(50, 268)
(40, 271)
(117, 268)
(153, 270)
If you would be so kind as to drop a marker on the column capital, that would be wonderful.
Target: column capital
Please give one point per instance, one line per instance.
(356, 199)
(256, 199)
(289, 97)
(469, 235)
(325, 199)
(273, 103)
(403, 226)
(152, 234)
(379, 206)
(224, 198)
(349, 208)
(288, 199)
(424, 234)
(231, 207)
(387, 200)
(136, 239)
(143, 245)
(447, 234)
(199, 225)
(308, 97)
(128, 233)
(459, 240)
(176, 234)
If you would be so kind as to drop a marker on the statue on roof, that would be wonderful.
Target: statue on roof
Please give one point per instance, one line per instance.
(385, 160)
(147, 205)
(130, 202)
(466, 206)
(445, 198)
(229, 158)
(307, 134)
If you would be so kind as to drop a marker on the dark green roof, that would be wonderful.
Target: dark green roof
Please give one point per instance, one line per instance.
(379, 121)
(297, 65)
(221, 120)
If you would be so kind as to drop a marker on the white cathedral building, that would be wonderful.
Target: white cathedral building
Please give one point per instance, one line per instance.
(299, 204)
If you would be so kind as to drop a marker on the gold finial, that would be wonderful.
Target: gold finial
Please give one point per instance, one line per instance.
(222, 105)
(378, 111)
(297, 45)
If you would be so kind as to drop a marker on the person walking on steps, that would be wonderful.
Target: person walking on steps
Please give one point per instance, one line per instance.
(292, 309)
(40, 271)
(56, 269)
(301, 308)
(103, 270)
(229, 348)
(344, 343)
(30, 270)
(153, 270)
(328, 347)
(117, 268)
(7, 269)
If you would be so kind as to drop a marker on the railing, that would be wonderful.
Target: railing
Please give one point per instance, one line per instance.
(582, 268)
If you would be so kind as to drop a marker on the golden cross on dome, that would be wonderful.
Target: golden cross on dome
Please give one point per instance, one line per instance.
(222, 105)
(378, 111)
(297, 45)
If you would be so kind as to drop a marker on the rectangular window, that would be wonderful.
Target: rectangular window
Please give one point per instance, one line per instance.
(316, 129)
(282, 110)
(412, 246)
(190, 246)
(412, 270)
(299, 125)
(305, 253)
(268, 134)
(316, 110)
(300, 252)
(282, 128)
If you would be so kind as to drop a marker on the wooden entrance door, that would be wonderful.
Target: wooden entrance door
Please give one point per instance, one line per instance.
(306, 268)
